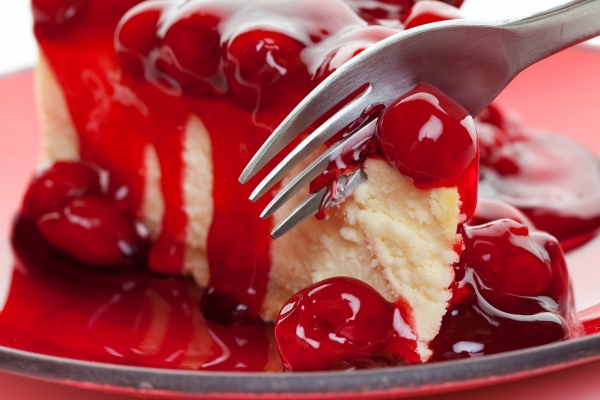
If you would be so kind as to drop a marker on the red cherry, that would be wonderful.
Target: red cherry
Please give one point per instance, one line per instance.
(52, 15)
(429, 11)
(349, 45)
(506, 258)
(431, 139)
(57, 184)
(260, 63)
(489, 210)
(341, 323)
(89, 230)
(194, 48)
(135, 38)
(377, 10)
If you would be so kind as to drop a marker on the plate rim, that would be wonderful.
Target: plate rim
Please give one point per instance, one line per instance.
(402, 381)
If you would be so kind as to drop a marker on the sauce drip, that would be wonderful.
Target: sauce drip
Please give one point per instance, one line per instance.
(59, 307)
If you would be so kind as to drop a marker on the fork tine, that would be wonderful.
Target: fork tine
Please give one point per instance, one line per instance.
(317, 167)
(323, 98)
(326, 131)
(309, 207)
(347, 184)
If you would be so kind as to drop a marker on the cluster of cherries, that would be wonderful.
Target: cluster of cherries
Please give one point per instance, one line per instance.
(542, 175)
(82, 214)
(505, 263)
(511, 291)
(207, 47)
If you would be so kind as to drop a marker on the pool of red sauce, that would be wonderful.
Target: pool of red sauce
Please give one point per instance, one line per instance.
(135, 317)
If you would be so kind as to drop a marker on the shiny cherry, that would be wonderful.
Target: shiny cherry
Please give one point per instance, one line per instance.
(432, 139)
(342, 323)
(92, 232)
(506, 258)
(194, 47)
(57, 184)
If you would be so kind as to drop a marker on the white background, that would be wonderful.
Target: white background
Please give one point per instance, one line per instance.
(18, 49)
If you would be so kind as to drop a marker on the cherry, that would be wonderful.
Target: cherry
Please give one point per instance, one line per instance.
(350, 44)
(541, 174)
(260, 63)
(432, 139)
(92, 232)
(429, 11)
(135, 38)
(341, 323)
(52, 16)
(194, 45)
(489, 210)
(379, 10)
(507, 258)
(57, 184)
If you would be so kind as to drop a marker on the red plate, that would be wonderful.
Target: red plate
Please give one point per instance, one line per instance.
(561, 94)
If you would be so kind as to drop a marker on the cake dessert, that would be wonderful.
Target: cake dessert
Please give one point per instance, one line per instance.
(151, 110)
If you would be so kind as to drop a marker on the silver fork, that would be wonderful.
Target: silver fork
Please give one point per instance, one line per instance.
(471, 61)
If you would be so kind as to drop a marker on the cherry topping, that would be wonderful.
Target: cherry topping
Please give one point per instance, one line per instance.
(432, 139)
(429, 11)
(506, 258)
(135, 38)
(92, 232)
(343, 323)
(489, 210)
(194, 53)
(541, 174)
(51, 16)
(511, 291)
(57, 184)
(260, 63)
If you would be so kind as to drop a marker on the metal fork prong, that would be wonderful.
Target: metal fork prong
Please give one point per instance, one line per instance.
(323, 98)
(351, 112)
(309, 207)
(349, 143)
(347, 184)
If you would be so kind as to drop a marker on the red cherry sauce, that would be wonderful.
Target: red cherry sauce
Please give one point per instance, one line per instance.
(432, 140)
(343, 323)
(511, 291)
(58, 307)
(426, 12)
(393, 12)
(550, 178)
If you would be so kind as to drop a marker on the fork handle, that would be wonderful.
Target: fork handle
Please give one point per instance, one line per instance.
(541, 35)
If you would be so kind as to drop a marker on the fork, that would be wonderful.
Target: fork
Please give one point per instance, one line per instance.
(471, 61)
